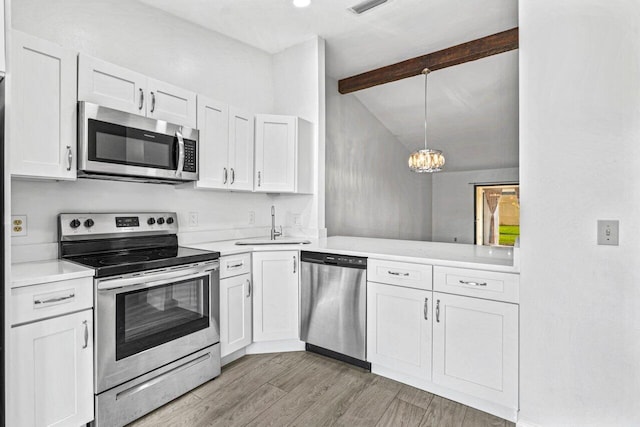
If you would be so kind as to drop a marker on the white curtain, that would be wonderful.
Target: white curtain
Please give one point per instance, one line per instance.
(492, 196)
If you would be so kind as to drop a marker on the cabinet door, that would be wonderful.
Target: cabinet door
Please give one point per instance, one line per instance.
(235, 313)
(240, 150)
(275, 297)
(43, 116)
(275, 153)
(111, 86)
(171, 103)
(475, 347)
(213, 124)
(51, 379)
(399, 329)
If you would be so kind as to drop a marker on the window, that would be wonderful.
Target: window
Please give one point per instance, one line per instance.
(497, 212)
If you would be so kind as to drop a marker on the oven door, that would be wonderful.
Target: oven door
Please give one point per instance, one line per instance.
(144, 322)
(118, 143)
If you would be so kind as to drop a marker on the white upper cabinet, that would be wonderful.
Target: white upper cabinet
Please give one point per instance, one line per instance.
(475, 347)
(171, 103)
(115, 87)
(226, 147)
(122, 89)
(240, 150)
(43, 110)
(284, 155)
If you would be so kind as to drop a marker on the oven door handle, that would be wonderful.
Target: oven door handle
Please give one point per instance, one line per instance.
(134, 283)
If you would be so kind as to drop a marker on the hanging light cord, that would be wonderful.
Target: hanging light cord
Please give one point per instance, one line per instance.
(425, 72)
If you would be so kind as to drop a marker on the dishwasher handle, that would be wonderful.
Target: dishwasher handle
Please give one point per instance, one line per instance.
(333, 260)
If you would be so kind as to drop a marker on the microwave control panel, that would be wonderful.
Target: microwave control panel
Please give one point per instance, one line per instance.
(190, 160)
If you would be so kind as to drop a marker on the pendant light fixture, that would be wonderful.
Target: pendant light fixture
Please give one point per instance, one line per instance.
(426, 160)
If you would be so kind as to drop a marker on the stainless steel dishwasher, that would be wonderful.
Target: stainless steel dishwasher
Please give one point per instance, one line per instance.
(333, 301)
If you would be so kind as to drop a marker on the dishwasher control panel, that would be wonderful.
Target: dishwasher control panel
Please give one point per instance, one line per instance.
(333, 259)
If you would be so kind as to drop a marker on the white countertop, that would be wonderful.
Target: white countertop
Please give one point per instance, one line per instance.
(34, 273)
(504, 259)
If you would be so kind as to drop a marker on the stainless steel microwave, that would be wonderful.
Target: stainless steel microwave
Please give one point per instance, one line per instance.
(116, 145)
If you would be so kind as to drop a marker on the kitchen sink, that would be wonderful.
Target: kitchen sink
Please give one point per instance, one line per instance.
(273, 242)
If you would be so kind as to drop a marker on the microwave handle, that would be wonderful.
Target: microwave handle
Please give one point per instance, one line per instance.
(180, 153)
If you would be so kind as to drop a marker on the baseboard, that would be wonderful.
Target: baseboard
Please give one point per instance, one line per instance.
(282, 346)
(525, 423)
(233, 356)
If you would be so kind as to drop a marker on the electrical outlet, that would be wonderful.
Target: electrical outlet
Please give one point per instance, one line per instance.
(297, 220)
(252, 217)
(608, 232)
(18, 225)
(193, 219)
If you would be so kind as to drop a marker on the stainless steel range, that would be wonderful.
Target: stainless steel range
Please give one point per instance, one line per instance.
(156, 310)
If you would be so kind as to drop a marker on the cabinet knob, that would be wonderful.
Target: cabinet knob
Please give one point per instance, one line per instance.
(438, 311)
(69, 157)
(426, 309)
(141, 102)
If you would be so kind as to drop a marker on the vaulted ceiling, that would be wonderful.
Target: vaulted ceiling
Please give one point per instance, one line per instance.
(473, 107)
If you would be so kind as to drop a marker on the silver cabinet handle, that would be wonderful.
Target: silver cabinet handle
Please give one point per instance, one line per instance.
(141, 103)
(226, 175)
(240, 264)
(69, 157)
(52, 300)
(465, 282)
(248, 288)
(233, 175)
(426, 309)
(258, 178)
(153, 102)
(294, 264)
(180, 165)
(438, 311)
(397, 273)
(86, 334)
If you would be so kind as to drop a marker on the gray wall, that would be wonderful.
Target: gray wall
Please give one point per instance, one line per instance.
(453, 201)
(370, 191)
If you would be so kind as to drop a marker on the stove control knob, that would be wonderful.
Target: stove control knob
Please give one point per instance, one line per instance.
(89, 223)
(151, 221)
(169, 220)
(160, 221)
(75, 223)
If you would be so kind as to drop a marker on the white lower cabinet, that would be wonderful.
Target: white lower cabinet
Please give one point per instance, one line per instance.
(475, 347)
(275, 297)
(235, 313)
(51, 377)
(399, 329)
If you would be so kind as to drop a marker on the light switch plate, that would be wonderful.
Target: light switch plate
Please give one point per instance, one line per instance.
(608, 232)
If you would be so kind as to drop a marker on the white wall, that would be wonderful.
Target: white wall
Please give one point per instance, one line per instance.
(299, 82)
(453, 210)
(142, 38)
(370, 191)
(579, 162)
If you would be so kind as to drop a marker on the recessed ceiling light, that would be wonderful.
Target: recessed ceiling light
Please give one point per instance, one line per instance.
(301, 3)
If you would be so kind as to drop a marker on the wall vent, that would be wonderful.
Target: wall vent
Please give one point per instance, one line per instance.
(366, 5)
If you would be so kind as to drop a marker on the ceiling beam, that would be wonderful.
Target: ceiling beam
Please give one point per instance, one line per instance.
(470, 51)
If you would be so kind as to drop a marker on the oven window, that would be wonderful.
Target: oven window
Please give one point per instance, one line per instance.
(150, 317)
(113, 143)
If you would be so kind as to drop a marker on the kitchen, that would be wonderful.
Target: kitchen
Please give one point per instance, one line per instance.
(578, 342)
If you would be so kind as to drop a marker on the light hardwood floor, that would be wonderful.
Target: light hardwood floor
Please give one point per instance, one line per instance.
(305, 389)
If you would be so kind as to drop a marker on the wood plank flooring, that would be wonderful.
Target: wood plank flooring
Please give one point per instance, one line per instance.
(306, 389)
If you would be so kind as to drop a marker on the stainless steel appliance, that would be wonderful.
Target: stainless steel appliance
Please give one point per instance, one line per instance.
(116, 145)
(156, 310)
(333, 296)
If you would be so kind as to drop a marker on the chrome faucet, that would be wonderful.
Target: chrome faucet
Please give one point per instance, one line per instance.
(274, 232)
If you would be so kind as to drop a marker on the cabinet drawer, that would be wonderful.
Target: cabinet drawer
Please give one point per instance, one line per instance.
(400, 273)
(477, 283)
(234, 265)
(35, 302)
